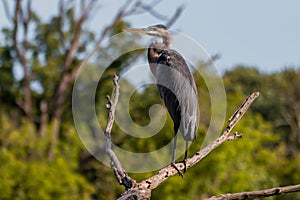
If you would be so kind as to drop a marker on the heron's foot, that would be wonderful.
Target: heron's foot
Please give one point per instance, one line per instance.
(179, 172)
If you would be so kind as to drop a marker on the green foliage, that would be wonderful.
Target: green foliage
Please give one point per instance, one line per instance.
(25, 171)
(279, 107)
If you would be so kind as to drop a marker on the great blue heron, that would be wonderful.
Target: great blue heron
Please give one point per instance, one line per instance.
(175, 85)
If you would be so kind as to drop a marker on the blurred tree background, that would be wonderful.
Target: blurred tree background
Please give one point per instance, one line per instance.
(42, 157)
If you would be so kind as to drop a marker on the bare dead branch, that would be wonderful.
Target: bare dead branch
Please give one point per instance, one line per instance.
(120, 173)
(258, 194)
(146, 186)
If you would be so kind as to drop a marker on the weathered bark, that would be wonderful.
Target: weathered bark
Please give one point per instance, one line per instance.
(120, 173)
(151, 183)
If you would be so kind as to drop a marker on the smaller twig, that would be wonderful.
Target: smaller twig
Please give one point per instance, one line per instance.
(234, 136)
(109, 102)
(258, 194)
(120, 173)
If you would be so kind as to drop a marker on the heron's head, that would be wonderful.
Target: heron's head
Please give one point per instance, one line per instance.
(155, 30)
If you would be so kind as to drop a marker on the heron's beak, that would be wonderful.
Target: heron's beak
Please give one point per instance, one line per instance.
(139, 30)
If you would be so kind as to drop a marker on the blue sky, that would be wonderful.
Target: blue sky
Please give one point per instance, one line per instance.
(260, 33)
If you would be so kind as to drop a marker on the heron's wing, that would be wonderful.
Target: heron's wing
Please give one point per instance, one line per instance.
(171, 103)
(177, 88)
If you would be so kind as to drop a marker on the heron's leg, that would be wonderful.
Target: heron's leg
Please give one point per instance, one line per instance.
(185, 155)
(174, 148)
(173, 155)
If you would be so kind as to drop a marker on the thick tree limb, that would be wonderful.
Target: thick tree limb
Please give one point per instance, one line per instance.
(143, 190)
(258, 194)
(169, 171)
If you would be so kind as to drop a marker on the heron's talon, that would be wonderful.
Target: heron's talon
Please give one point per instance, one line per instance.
(179, 172)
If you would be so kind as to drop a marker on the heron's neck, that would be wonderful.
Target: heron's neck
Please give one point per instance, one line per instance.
(167, 41)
